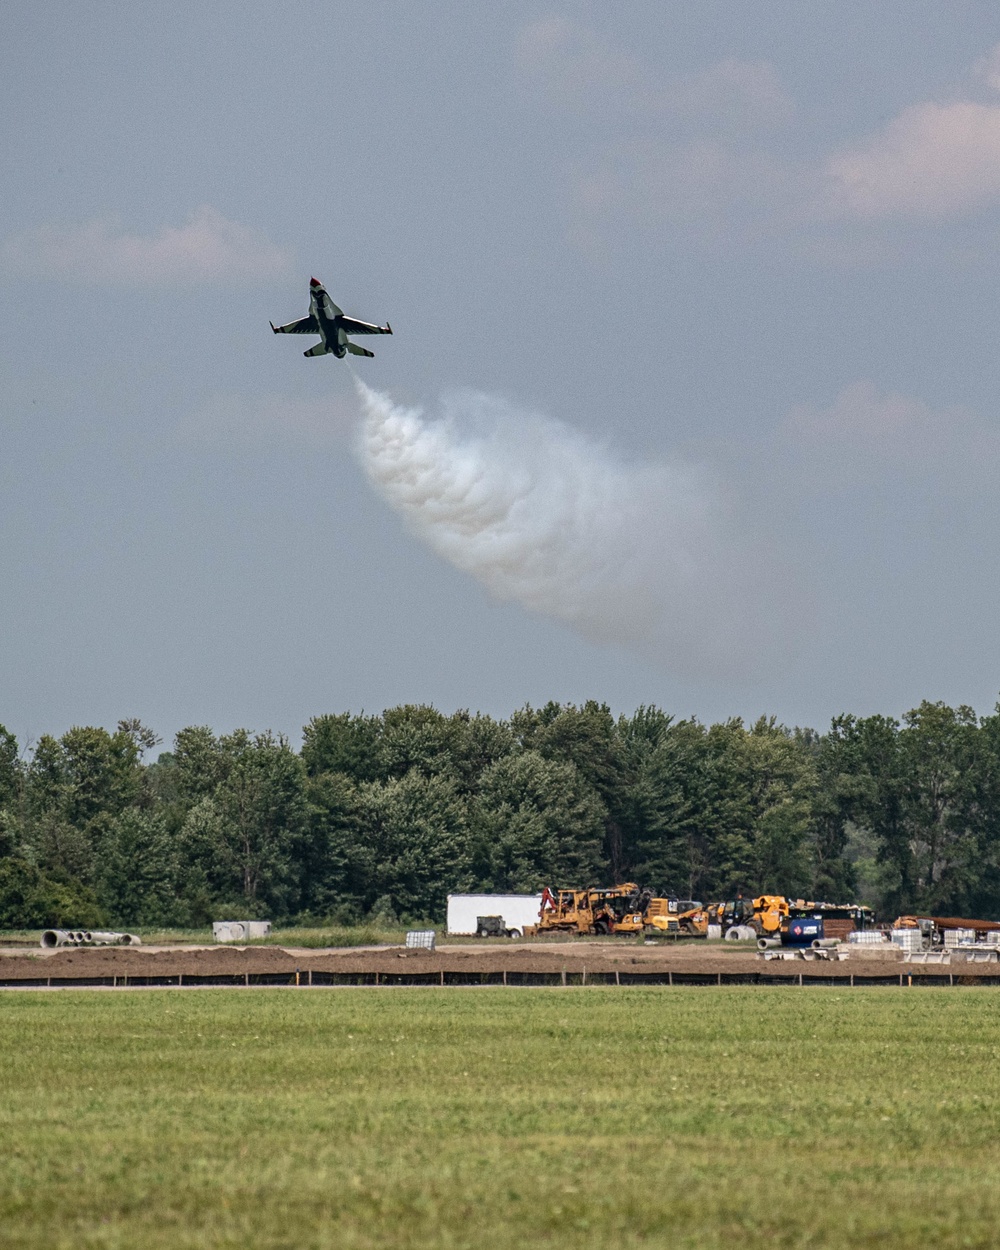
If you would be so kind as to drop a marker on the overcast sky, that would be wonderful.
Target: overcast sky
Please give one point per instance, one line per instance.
(708, 293)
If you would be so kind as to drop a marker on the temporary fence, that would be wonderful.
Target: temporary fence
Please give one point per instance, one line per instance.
(829, 975)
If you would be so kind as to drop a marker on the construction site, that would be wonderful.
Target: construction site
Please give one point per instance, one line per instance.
(621, 935)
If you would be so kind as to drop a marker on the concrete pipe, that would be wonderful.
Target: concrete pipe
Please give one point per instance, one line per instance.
(88, 937)
(105, 937)
(825, 944)
(766, 944)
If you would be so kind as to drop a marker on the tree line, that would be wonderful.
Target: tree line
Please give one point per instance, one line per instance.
(382, 816)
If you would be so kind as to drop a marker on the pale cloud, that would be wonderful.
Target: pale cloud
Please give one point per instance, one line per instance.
(706, 186)
(692, 154)
(867, 434)
(688, 155)
(932, 161)
(987, 69)
(743, 94)
(573, 63)
(581, 71)
(208, 249)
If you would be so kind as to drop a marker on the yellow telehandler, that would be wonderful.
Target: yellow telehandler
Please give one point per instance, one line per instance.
(763, 914)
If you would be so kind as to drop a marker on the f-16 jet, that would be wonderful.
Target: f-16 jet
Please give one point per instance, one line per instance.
(332, 326)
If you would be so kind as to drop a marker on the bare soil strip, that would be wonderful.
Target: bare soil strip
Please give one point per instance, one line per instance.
(523, 964)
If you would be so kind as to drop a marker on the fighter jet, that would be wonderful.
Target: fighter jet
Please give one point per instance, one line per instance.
(332, 326)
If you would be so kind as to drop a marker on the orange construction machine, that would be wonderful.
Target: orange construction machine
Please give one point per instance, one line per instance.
(583, 911)
(763, 914)
(667, 917)
(621, 909)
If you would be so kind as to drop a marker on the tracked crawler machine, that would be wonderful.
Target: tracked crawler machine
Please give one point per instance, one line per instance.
(668, 917)
(621, 909)
(583, 911)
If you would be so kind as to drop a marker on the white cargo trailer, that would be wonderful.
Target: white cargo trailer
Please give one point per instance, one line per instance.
(517, 910)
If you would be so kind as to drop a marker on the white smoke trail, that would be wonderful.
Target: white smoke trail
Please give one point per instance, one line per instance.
(628, 554)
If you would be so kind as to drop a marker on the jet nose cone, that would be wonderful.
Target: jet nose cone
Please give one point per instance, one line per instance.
(315, 282)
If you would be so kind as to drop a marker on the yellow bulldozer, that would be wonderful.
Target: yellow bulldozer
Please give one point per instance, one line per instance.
(583, 911)
(670, 917)
(624, 909)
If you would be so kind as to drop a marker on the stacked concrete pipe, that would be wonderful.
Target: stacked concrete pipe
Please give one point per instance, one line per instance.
(87, 937)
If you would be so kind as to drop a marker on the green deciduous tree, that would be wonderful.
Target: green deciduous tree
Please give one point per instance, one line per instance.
(342, 744)
(262, 808)
(536, 822)
(29, 899)
(337, 866)
(138, 875)
(942, 812)
(10, 770)
(417, 832)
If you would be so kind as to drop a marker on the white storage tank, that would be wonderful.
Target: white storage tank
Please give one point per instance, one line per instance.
(517, 910)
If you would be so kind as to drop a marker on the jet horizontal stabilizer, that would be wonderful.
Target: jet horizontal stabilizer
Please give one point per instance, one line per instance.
(320, 349)
(355, 350)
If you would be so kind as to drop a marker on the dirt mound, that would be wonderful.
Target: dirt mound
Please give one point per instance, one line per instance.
(255, 961)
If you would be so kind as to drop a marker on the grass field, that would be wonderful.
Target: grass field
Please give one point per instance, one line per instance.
(322, 936)
(735, 1118)
(293, 935)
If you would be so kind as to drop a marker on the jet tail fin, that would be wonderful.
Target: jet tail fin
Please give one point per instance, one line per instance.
(355, 350)
(318, 349)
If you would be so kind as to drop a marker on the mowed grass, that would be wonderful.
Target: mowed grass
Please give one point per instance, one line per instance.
(494, 1118)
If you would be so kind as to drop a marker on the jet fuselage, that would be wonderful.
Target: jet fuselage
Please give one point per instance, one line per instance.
(327, 322)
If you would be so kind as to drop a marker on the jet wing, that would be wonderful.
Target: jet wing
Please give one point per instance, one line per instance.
(363, 327)
(307, 325)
